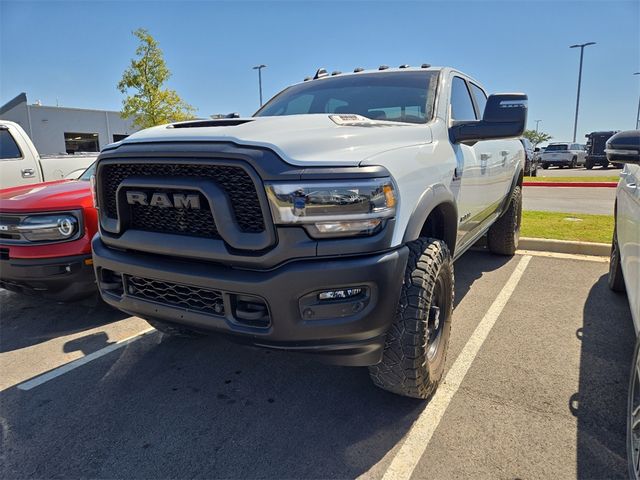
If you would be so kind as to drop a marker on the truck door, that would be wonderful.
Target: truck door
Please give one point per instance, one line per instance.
(18, 164)
(628, 232)
(479, 165)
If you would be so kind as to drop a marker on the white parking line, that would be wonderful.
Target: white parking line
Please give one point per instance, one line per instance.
(39, 380)
(417, 440)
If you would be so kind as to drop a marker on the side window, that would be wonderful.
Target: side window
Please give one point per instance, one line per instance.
(461, 104)
(481, 99)
(8, 146)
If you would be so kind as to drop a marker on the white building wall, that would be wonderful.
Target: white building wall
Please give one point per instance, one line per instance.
(47, 125)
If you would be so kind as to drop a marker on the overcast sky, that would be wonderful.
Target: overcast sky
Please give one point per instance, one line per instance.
(75, 52)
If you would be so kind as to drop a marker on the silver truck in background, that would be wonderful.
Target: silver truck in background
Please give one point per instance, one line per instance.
(20, 163)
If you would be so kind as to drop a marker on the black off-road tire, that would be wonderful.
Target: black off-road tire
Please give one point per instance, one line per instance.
(410, 365)
(504, 234)
(616, 280)
(173, 329)
(574, 163)
(588, 164)
(545, 166)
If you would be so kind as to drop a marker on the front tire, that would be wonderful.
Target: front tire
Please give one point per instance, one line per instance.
(633, 416)
(504, 234)
(588, 165)
(545, 166)
(416, 345)
(616, 280)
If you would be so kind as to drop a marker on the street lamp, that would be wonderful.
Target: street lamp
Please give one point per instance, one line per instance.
(537, 122)
(638, 114)
(259, 68)
(582, 45)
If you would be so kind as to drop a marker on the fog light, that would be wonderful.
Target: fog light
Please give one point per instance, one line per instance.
(339, 294)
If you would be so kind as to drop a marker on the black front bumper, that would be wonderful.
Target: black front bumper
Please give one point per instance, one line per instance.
(348, 331)
(61, 278)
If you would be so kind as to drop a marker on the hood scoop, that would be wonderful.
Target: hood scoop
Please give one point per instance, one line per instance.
(231, 122)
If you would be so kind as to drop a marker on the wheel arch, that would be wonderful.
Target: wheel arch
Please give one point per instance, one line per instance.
(435, 216)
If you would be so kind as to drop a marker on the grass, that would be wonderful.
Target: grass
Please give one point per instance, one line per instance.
(603, 178)
(567, 226)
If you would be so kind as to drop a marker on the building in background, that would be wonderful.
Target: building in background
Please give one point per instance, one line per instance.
(56, 130)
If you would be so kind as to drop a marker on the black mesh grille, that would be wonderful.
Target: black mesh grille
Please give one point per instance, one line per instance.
(195, 223)
(234, 180)
(176, 295)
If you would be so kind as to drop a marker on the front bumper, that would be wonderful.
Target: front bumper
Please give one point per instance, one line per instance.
(347, 331)
(59, 278)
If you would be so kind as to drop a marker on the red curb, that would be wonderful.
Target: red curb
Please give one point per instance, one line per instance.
(571, 184)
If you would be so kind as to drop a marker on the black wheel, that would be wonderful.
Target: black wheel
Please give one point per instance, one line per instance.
(574, 163)
(534, 172)
(616, 280)
(633, 416)
(545, 166)
(588, 164)
(503, 236)
(417, 342)
(173, 329)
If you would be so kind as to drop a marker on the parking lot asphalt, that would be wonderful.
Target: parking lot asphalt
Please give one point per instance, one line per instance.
(593, 200)
(542, 394)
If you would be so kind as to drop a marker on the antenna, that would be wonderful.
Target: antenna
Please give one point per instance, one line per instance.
(321, 72)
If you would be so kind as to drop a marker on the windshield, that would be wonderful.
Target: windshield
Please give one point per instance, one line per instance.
(556, 148)
(86, 176)
(396, 96)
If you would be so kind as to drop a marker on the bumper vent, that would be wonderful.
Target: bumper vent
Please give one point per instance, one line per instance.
(235, 181)
(176, 295)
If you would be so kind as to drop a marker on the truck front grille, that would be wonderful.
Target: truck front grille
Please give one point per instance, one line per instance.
(235, 181)
(176, 295)
(195, 223)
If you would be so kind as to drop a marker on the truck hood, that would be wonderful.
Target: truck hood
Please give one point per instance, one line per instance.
(321, 139)
(48, 196)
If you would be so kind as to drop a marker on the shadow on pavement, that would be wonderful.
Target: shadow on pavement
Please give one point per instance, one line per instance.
(27, 320)
(608, 338)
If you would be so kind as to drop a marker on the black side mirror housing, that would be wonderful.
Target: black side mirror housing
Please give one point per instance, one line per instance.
(624, 147)
(505, 116)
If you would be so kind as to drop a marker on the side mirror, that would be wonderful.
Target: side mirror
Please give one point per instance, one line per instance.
(505, 116)
(537, 149)
(624, 147)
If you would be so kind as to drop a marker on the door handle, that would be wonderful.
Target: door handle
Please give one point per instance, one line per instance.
(484, 157)
(28, 173)
(504, 153)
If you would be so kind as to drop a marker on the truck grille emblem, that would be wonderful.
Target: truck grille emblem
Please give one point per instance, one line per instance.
(163, 200)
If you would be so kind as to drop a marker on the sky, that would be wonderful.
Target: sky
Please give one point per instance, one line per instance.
(73, 53)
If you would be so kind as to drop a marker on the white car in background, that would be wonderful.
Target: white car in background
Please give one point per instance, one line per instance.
(563, 154)
(624, 268)
(20, 163)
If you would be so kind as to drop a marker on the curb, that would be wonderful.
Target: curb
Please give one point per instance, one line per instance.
(571, 184)
(565, 246)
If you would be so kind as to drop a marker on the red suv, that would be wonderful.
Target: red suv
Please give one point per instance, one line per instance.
(45, 238)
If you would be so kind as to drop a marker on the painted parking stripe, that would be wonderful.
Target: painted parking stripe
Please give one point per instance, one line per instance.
(39, 380)
(417, 440)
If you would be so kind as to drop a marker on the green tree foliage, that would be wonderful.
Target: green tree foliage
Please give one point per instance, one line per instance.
(147, 102)
(536, 138)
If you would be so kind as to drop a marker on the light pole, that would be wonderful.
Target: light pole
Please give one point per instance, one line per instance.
(638, 114)
(582, 45)
(259, 68)
(537, 122)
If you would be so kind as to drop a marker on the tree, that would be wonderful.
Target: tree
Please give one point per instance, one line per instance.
(150, 104)
(536, 138)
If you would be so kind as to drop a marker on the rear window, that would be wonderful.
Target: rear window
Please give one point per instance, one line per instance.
(557, 147)
(394, 96)
(8, 146)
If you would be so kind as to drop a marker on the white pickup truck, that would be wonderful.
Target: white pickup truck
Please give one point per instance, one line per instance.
(20, 163)
(327, 223)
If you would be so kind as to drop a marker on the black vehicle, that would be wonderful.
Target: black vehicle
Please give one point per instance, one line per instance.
(530, 158)
(596, 142)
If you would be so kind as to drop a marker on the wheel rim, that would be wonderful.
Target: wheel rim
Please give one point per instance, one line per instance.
(634, 420)
(436, 320)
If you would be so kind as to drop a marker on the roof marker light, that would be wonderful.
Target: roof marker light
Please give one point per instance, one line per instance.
(358, 70)
(383, 67)
(336, 72)
(404, 65)
(320, 73)
(425, 65)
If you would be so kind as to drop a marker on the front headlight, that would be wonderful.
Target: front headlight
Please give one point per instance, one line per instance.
(51, 227)
(334, 209)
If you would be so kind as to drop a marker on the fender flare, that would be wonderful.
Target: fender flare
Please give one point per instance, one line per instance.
(436, 196)
(517, 180)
